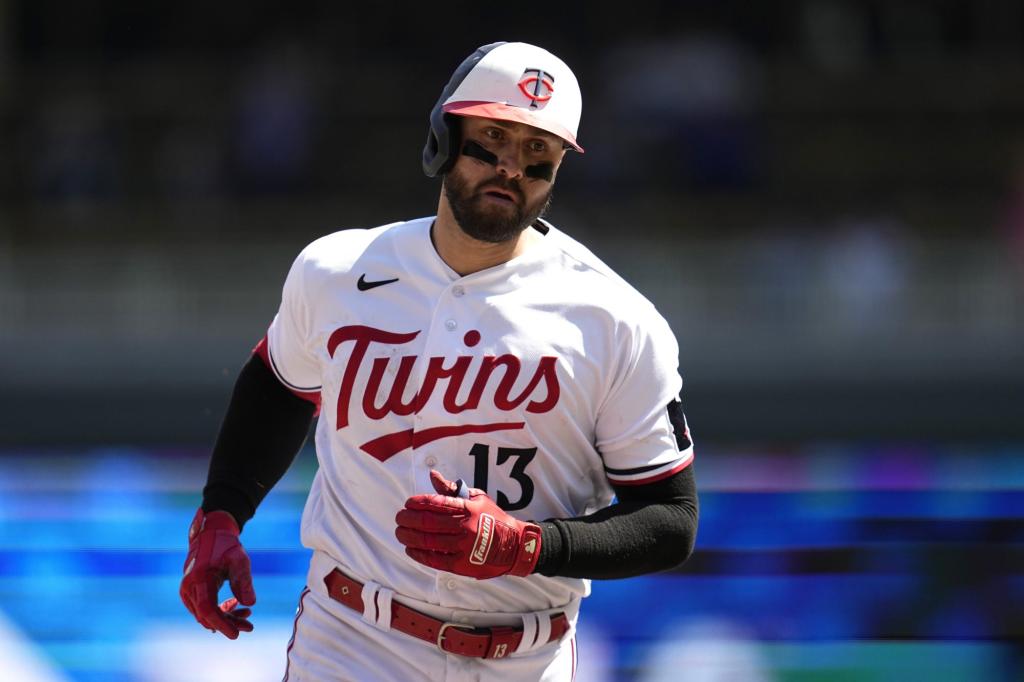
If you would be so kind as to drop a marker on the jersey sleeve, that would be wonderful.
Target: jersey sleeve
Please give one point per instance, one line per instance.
(641, 431)
(289, 344)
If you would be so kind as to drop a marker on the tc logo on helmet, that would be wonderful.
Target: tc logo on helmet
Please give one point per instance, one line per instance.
(537, 85)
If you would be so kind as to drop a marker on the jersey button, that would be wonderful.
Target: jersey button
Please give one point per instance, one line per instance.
(450, 325)
(458, 291)
(430, 461)
(450, 584)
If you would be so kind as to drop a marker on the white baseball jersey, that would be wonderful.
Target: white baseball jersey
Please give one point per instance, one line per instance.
(539, 380)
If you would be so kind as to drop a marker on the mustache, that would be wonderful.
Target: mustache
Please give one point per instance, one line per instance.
(498, 182)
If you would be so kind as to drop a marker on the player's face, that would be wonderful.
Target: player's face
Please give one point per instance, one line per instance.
(496, 202)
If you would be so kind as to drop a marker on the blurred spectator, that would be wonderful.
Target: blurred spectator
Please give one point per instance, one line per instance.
(190, 164)
(834, 34)
(918, 32)
(865, 271)
(73, 152)
(688, 100)
(776, 264)
(1011, 222)
(274, 129)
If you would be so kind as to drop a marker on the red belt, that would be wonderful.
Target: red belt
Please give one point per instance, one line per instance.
(452, 638)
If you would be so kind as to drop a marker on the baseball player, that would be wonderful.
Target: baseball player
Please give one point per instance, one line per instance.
(485, 388)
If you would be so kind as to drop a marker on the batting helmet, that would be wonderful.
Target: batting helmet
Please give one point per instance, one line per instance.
(510, 82)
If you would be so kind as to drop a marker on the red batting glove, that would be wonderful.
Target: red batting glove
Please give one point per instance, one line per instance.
(215, 554)
(472, 537)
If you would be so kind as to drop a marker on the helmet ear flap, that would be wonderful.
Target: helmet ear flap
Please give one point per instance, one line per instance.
(442, 146)
(443, 137)
(454, 124)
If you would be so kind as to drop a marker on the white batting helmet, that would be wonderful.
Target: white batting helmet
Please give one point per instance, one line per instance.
(510, 82)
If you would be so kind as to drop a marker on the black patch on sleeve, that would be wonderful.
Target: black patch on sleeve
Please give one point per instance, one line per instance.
(678, 421)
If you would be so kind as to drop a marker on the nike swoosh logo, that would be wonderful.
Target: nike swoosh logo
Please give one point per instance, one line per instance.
(363, 285)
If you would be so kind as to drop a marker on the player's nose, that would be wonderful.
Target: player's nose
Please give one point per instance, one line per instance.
(510, 165)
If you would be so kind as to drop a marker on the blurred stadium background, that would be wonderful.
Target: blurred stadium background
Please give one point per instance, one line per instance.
(825, 198)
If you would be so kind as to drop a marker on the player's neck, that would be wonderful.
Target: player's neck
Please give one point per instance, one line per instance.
(466, 255)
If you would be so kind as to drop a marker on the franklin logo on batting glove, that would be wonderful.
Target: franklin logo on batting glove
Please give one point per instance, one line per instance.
(471, 537)
(483, 540)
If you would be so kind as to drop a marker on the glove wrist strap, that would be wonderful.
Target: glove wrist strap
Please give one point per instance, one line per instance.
(529, 551)
(221, 520)
(214, 521)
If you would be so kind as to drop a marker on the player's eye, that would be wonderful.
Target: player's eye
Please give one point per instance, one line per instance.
(492, 133)
(538, 146)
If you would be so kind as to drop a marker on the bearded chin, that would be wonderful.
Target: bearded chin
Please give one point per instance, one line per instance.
(489, 224)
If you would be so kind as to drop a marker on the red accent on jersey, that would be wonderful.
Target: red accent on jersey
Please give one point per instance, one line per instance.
(502, 399)
(363, 337)
(385, 447)
(454, 374)
(657, 477)
(394, 402)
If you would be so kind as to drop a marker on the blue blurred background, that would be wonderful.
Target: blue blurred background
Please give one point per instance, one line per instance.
(825, 199)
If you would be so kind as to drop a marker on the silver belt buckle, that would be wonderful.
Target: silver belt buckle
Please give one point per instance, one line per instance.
(440, 636)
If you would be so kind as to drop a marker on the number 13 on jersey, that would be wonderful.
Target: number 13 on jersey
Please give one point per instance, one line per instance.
(521, 459)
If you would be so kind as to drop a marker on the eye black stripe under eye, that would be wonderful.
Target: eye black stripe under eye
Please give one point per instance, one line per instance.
(477, 151)
(540, 171)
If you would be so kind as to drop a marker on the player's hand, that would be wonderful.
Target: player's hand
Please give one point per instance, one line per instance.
(470, 536)
(215, 554)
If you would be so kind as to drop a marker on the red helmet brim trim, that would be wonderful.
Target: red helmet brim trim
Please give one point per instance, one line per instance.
(505, 112)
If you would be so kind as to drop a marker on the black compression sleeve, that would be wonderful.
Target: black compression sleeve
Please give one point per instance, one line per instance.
(263, 430)
(652, 528)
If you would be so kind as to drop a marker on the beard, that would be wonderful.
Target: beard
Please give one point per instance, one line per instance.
(486, 221)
